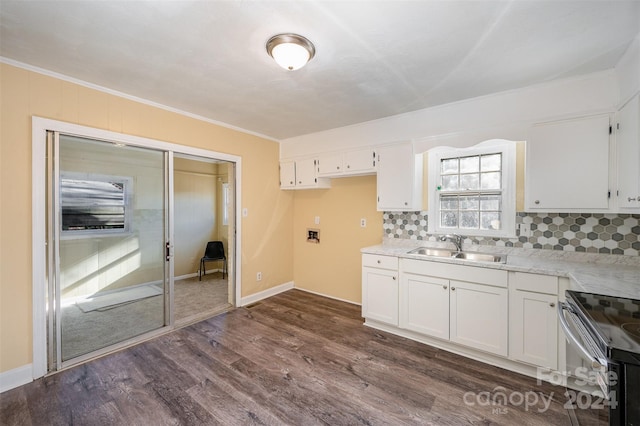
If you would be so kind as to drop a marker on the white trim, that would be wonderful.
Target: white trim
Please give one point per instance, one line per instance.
(185, 276)
(39, 127)
(256, 297)
(17, 377)
(328, 296)
(103, 89)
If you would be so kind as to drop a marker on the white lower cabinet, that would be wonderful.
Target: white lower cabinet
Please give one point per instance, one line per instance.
(533, 319)
(479, 316)
(463, 304)
(424, 305)
(508, 314)
(380, 288)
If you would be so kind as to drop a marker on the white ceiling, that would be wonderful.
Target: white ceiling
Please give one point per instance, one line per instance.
(374, 58)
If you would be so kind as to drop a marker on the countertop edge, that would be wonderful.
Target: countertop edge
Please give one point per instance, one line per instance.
(601, 278)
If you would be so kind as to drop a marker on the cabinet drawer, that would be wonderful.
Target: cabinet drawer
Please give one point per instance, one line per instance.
(380, 261)
(450, 271)
(536, 283)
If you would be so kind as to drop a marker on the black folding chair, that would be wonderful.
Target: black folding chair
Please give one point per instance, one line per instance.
(214, 251)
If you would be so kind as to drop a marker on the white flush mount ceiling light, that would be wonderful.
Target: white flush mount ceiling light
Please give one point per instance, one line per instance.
(290, 51)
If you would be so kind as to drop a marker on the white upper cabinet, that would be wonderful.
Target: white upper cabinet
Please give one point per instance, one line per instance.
(627, 132)
(301, 174)
(330, 164)
(348, 163)
(399, 178)
(568, 165)
(287, 174)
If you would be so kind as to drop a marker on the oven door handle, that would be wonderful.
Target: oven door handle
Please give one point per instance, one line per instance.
(562, 306)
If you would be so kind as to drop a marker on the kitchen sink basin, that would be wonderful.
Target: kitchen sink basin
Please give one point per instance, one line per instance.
(480, 257)
(463, 255)
(432, 252)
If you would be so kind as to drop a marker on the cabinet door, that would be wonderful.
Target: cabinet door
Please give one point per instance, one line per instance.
(628, 153)
(399, 180)
(568, 165)
(287, 174)
(424, 305)
(361, 161)
(306, 173)
(330, 165)
(380, 295)
(479, 316)
(533, 328)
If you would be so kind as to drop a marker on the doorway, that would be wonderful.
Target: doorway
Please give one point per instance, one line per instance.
(203, 213)
(107, 208)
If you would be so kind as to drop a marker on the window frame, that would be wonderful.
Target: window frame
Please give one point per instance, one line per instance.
(508, 187)
(225, 203)
(127, 182)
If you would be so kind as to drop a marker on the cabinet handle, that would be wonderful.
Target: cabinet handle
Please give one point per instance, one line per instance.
(291, 182)
(444, 287)
(552, 304)
(537, 201)
(338, 167)
(394, 278)
(300, 182)
(406, 204)
(453, 289)
(348, 166)
(632, 199)
(379, 262)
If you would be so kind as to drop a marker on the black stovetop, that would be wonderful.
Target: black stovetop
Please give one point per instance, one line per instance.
(615, 321)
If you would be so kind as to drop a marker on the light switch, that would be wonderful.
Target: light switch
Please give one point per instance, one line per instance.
(317, 220)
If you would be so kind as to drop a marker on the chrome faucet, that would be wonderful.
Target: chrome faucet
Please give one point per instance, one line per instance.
(455, 239)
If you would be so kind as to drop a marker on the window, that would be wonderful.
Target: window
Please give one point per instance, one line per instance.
(225, 204)
(474, 190)
(94, 204)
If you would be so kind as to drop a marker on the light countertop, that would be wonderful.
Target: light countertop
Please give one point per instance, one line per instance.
(613, 275)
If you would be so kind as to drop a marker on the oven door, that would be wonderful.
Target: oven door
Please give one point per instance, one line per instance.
(586, 364)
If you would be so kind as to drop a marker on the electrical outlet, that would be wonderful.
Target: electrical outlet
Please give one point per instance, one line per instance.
(259, 276)
(363, 222)
(525, 229)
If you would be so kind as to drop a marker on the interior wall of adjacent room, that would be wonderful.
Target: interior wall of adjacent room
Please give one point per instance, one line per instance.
(196, 217)
(267, 243)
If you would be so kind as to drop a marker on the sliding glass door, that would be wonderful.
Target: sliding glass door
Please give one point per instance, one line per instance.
(108, 264)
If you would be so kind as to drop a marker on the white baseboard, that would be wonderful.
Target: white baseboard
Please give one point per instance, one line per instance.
(185, 276)
(328, 296)
(253, 298)
(16, 377)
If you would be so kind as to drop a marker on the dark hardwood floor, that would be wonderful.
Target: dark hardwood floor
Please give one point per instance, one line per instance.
(295, 358)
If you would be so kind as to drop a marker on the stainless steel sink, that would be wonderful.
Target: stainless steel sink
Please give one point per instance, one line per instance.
(432, 252)
(463, 255)
(480, 257)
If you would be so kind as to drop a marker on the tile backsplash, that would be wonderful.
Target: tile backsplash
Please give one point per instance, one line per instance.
(577, 232)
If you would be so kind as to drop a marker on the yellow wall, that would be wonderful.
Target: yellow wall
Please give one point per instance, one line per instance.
(196, 199)
(333, 266)
(267, 243)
